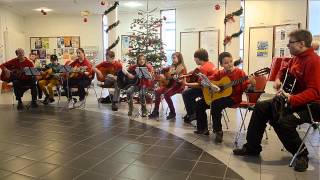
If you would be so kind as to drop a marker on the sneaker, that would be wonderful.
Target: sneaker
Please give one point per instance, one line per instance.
(204, 132)
(171, 115)
(245, 152)
(71, 104)
(46, 100)
(219, 137)
(79, 103)
(301, 163)
(154, 114)
(114, 107)
(20, 106)
(51, 100)
(189, 118)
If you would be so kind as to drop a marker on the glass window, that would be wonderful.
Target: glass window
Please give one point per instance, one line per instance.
(168, 33)
(241, 38)
(105, 35)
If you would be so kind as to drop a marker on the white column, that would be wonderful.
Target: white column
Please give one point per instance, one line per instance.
(113, 34)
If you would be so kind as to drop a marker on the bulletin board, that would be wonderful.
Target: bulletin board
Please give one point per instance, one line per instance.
(209, 40)
(260, 48)
(189, 43)
(281, 39)
(64, 47)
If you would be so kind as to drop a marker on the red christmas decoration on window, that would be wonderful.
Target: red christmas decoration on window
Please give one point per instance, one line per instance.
(103, 3)
(217, 7)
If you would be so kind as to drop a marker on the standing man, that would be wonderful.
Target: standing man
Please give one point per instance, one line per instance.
(305, 67)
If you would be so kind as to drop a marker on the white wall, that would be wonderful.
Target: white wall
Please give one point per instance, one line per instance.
(52, 26)
(272, 12)
(12, 33)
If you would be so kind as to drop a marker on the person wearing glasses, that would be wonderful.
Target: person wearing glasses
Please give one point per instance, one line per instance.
(305, 68)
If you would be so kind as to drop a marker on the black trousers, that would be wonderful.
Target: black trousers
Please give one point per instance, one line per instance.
(81, 83)
(284, 125)
(21, 86)
(189, 98)
(216, 112)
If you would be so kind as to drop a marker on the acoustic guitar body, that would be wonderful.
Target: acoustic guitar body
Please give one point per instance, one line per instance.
(210, 97)
(5, 78)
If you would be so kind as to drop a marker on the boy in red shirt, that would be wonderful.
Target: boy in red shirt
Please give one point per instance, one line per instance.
(194, 91)
(305, 67)
(21, 82)
(107, 72)
(143, 85)
(217, 106)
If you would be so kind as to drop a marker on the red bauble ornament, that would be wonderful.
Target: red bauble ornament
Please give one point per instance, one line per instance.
(42, 11)
(103, 3)
(217, 7)
(164, 18)
(85, 19)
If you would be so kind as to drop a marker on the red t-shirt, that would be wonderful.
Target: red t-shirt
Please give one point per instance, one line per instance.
(305, 67)
(15, 64)
(110, 67)
(208, 68)
(236, 74)
(84, 63)
(146, 83)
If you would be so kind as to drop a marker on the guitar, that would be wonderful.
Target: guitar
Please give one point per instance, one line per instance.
(14, 74)
(225, 86)
(75, 72)
(124, 82)
(101, 76)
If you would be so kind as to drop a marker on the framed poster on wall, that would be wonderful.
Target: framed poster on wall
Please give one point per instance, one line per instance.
(260, 48)
(209, 40)
(281, 39)
(125, 43)
(189, 43)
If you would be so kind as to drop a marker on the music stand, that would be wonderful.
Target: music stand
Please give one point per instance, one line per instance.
(143, 73)
(33, 72)
(66, 69)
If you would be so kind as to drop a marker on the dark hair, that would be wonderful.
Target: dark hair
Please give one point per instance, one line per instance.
(82, 50)
(17, 51)
(302, 35)
(111, 54)
(201, 54)
(54, 57)
(223, 55)
(32, 53)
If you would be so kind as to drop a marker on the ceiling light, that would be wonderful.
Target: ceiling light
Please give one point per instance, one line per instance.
(43, 9)
(133, 4)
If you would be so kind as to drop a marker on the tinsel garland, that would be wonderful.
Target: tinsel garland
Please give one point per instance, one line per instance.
(230, 16)
(112, 26)
(114, 44)
(227, 39)
(112, 8)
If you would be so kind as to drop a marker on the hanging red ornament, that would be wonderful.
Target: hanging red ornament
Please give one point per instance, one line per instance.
(85, 19)
(103, 3)
(217, 7)
(164, 18)
(44, 13)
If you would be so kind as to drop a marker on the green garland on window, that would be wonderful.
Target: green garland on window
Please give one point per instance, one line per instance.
(227, 39)
(112, 26)
(115, 5)
(114, 44)
(229, 17)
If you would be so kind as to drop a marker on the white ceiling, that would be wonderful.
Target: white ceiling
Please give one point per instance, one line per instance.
(73, 7)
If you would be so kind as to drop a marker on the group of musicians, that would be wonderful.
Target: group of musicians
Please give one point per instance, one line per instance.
(305, 66)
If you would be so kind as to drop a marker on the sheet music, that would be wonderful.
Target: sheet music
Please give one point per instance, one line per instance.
(142, 72)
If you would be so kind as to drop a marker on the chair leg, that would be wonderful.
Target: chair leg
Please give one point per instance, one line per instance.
(225, 121)
(300, 147)
(265, 131)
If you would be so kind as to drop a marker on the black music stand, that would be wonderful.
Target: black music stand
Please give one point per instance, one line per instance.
(33, 72)
(66, 69)
(143, 73)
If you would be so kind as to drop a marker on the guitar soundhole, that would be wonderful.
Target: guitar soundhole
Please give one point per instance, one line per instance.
(221, 88)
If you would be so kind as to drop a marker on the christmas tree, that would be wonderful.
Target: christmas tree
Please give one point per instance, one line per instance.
(145, 39)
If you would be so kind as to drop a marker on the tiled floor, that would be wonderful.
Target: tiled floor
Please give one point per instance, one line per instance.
(96, 143)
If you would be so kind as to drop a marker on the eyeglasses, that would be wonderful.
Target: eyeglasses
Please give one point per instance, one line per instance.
(290, 42)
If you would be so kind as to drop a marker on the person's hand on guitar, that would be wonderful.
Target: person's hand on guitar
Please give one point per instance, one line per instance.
(130, 76)
(277, 84)
(252, 80)
(112, 77)
(6, 72)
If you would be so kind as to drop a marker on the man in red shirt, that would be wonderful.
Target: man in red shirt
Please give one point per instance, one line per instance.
(194, 91)
(107, 73)
(21, 83)
(217, 106)
(305, 67)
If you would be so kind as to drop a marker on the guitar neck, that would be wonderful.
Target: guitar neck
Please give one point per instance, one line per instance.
(236, 82)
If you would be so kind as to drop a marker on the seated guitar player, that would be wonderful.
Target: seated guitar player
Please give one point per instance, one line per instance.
(194, 91)
(50, 79)
(13, 71)
(304, 67)
(80, 77)
(171, 87)
(107, 73)
(217, 106)
(141, 87)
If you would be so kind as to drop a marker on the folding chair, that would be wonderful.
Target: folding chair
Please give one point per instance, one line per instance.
(313, 110)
